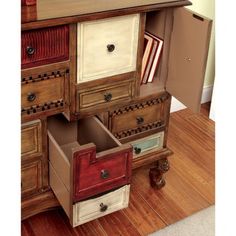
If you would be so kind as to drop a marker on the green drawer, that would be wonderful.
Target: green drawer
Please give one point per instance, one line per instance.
(147, 144)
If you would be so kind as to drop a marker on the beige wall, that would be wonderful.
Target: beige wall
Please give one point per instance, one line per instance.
(207, 8)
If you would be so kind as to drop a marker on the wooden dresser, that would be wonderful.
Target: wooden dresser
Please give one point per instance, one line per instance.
(86, 120)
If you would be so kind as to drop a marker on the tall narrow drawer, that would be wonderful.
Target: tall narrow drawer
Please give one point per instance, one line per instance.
(107, 47)
(86, 157)
(102, 96)
(31, 139)
(31, 178)
(148, 144)
(40, 94)
(44, 46)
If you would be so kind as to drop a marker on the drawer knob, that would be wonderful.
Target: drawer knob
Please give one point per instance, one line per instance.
(137, 150)
(108, 97)
(30, 50)
(140, 120)
(110, 47)
(31, 97)
(105, 174)
(103, 207)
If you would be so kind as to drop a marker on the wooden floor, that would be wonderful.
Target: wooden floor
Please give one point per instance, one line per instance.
(190, 188)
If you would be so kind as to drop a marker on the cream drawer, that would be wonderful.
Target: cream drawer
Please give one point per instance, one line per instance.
(148, 144)
(84, 211)
(107, 47)
(94, 208)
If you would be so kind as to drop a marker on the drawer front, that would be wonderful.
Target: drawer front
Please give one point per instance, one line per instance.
(44, 46)
(31, 139)
(44, 93)
(105, 95)
(91, 209)
(93, 175)
(31, 178)
(140, 117)
(107, 47)
(151, 143)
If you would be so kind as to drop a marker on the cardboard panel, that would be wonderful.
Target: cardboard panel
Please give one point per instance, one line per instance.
(188, 57)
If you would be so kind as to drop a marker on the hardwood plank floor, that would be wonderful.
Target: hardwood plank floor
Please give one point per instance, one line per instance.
(190, 187)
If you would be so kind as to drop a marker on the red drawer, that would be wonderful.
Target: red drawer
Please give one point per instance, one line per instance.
(86, 157)
(44, 46)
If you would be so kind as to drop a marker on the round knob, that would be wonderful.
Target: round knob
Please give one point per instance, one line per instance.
(104, 174)
(111, 47)
(31, 97)
(137, 150)
(108, 97)
(103, 207)
(139, 120)
(30, 50)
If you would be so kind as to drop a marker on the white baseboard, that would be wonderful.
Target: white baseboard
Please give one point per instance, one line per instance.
(176, 105)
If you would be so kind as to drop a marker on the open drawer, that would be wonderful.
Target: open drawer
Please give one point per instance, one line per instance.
(86, 157)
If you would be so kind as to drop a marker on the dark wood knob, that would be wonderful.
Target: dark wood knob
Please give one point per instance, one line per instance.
(139, 120)
(111, 47)
(137, 150)
(31, 97)
(104, 174)
(103, 207)
(108, 97)
(30, 50)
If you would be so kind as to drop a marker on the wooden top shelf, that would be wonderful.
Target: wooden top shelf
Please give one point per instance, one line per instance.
(55, 12)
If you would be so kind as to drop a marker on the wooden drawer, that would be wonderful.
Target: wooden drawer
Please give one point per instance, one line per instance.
(84, 211)
(147, 144)
(44, 93)
(44, 46)
(31, 178)
(86, 157)
(102, 96)
(31, 139)
(139, 117)
(107, 47)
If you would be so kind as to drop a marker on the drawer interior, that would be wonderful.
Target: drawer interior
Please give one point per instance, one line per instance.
(70, 135)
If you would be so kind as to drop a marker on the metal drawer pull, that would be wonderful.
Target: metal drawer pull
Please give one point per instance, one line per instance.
(31, 97)
(110, 47)
(105, 174)
(103, 207)
(137, 150)
(107, 97)
(140, 120)
(30, 50)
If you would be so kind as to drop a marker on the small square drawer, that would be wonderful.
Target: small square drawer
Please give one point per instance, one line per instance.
(148, 144)
(44, 93)
(104, 95)
(86, 157)
(44, 46)
(107, 47)
(31, 178)
(31, 139)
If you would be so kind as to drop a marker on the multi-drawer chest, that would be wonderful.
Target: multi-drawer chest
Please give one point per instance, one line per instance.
(87, 121)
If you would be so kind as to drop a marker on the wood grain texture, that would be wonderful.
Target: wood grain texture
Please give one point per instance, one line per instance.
(49, 45)
(189, 187)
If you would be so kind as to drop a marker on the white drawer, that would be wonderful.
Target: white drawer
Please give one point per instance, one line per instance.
(107, 47)
(94, 208)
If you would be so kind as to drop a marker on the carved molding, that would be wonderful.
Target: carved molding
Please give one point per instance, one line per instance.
(141, 105)
(127, 133)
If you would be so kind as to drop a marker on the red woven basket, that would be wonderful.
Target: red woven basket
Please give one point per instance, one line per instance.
(28, 2)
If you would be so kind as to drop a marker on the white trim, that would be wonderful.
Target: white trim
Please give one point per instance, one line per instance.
(176, 105)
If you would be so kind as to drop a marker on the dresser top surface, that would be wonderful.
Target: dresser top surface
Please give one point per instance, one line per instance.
(53, 9)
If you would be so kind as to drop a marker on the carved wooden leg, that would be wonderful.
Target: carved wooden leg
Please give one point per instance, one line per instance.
(156, 173)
